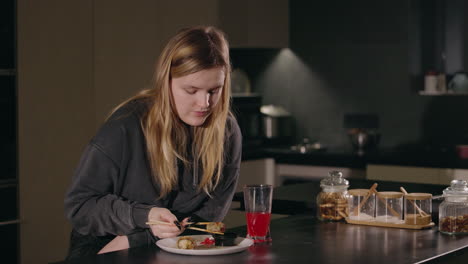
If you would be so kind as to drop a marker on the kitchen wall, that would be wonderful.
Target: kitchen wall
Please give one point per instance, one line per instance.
(55, 117)
(76, 61)
(353, 57)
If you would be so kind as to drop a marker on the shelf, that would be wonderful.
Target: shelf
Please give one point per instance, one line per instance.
(7, 72)
(10, 222)
(425, 93)
(8, 183)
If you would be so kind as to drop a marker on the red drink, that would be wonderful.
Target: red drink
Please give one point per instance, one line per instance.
(257, 200)
(258, 224)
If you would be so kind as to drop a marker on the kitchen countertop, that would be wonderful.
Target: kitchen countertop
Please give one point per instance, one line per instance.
(301, 238)
(304, 239)
(346, 157)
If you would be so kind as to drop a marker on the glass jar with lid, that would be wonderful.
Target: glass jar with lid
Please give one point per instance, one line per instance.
(418, 208)
(389, 207)
(361, 204)
(332, 201)
(453, 211)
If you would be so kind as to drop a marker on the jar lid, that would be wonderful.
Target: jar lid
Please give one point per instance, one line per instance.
(418, 196)
(358, 192)
(334, 179)
(390, 194)
(457, 188)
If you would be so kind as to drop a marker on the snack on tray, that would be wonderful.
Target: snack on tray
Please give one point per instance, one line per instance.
(186, 242)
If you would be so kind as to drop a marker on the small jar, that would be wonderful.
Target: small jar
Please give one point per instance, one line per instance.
(418, 208)
(453, 211)
(430, 82)
(361, 203)
(332, 201)
(389, 207)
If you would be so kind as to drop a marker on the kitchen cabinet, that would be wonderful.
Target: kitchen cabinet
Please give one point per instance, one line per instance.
(255, 24)
(9, 223)
(247, 24)
(56, 115)
(286, 172)
(9, 243)
(8, 88)
(136, 33)
(437, 40)
(7, 34)
(9, 230)
(413, 174)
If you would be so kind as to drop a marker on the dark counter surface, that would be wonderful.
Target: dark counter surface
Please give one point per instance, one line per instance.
(301, 238)
(304, 239)
(347, 157)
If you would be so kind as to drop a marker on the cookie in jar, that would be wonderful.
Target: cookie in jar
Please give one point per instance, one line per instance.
(332, 201)
(453, 211)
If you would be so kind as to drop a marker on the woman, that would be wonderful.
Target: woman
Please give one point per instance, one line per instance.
(167, 153)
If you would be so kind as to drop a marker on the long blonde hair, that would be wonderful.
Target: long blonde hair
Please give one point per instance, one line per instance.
(167, 137)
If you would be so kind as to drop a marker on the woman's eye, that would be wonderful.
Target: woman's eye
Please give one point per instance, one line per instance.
(191, 91)
(214, 91)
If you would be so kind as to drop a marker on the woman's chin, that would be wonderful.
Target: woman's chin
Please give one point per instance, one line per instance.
(195, 122)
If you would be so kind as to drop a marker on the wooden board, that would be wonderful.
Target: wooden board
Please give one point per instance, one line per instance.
(394, 225)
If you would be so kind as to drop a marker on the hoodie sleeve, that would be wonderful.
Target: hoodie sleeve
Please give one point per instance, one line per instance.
(90, 203)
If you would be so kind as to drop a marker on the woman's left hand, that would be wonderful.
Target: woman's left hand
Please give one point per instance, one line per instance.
(118, 243)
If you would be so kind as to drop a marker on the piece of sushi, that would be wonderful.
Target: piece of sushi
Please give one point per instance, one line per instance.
(216, 227)
(186, 242)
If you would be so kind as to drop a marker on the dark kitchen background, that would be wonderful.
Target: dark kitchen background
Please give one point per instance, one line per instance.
(363, 57)
(65, 64)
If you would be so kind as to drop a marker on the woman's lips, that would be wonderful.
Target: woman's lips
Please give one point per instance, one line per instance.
(201, 113)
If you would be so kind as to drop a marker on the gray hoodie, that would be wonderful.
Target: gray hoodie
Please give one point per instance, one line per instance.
(112, 189)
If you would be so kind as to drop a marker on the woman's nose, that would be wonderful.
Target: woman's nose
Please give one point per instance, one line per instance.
(204, 100)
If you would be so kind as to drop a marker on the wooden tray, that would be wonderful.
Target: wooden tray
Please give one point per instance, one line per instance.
(394, 225)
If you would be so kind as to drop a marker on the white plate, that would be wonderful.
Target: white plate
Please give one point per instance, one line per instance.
(169, 244)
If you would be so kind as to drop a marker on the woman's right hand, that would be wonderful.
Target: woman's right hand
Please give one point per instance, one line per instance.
(164, 215)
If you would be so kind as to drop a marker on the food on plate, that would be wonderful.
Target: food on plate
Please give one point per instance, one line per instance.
(186, 242)
(209, 242)
(216, 227)
(228, 239)
(215, 241)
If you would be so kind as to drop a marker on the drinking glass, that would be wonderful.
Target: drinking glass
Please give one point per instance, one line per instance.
(257, 201)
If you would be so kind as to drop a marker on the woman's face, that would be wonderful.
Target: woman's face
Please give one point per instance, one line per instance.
(196, 95)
